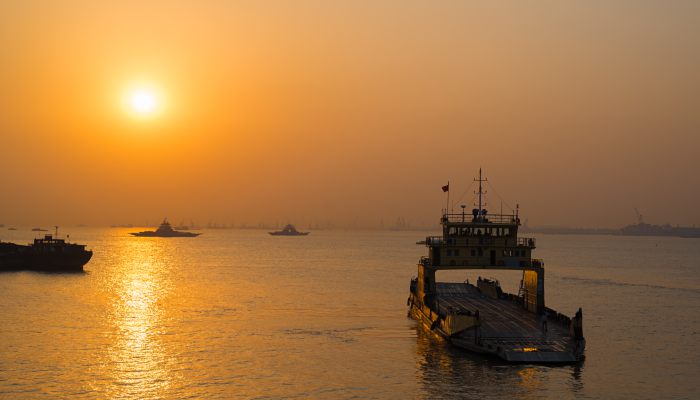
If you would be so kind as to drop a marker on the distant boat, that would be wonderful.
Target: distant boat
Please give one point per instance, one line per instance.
(641, 228)
(165, 230)
(11, 229)
(39, 230)
(288, 230)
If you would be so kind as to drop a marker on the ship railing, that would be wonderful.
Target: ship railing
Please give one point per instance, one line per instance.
(434, 241)
(526, 241)
(558, 317)
(508, 219)
(474, 240)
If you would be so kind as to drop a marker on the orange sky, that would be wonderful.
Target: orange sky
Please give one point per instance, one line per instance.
(317, 112)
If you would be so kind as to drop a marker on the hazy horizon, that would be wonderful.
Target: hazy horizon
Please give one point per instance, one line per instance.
(349, 114)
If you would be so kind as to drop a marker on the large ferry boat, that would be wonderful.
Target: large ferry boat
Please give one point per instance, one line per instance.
(47, 254)
(165, 230)
(482, 317)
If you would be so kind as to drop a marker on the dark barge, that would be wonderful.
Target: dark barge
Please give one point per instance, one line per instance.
(48, 254)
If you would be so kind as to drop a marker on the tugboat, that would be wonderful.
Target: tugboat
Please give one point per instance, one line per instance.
(48, 254)
(165, 230)
(288, 230)
(483, 318)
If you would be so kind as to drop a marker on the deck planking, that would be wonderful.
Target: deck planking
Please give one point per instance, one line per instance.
(504, 323)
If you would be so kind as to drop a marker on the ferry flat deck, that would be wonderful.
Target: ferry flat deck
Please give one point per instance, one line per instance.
(506, 327)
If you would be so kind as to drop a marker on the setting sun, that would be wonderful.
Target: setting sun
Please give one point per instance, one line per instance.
(143, 101)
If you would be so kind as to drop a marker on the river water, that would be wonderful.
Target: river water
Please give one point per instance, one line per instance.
(241, 314)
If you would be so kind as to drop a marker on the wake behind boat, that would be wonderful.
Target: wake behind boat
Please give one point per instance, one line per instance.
(288, 230)
(165, 230)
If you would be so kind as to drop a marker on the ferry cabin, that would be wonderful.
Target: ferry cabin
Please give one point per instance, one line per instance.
(483, 241)
(480, 240)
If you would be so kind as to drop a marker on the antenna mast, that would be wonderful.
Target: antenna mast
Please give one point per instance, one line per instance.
(481, 192)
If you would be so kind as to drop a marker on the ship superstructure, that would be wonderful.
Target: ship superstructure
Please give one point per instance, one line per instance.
(481, 317)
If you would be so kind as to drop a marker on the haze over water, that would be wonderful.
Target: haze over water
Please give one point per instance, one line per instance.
(241, 314)
(347, 113)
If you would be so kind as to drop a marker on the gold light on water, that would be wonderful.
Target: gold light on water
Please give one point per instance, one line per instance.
(529, 349)
(137, 353)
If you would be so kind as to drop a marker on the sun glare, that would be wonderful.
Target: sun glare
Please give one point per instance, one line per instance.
(143, 102)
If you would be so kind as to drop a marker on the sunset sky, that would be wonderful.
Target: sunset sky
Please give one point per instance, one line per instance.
(348, 112)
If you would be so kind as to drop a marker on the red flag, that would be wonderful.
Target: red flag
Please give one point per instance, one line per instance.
(446, 188)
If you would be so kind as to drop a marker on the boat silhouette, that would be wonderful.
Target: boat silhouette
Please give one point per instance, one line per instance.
(481, 317)
(47, 254)
(165, 230)
(288, 230)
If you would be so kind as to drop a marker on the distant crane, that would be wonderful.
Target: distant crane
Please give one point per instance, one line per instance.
(640, 218)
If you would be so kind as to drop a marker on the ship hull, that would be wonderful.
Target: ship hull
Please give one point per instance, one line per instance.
(288, 234)
(171, 235)
(502, 330)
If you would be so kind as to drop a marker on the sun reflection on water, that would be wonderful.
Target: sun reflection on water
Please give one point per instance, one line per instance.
(530, 379)
(140, 364)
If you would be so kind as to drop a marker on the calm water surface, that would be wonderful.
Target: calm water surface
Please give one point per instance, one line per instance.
(241, 314)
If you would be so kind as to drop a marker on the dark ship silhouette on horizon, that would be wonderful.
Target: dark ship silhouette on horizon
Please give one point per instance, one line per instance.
(49, 254)
(642, 228)
(165, 230)
(288, 230)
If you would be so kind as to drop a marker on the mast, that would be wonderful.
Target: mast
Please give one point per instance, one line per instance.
(481, 192)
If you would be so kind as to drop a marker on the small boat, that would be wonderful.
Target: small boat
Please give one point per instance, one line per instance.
(11, 229)
(165, 230)
(39, 230)
(288, 230)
